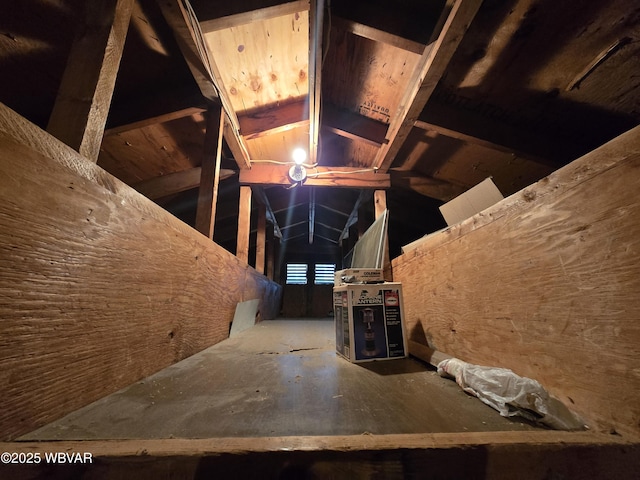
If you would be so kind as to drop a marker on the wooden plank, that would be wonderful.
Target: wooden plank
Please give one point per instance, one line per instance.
(522, 455)
(236, 144)
(244, 224)
(560, 305)
(261, 64)
(171, 183)
(430, 69)
(316, 26)
(266, 174)
(80, 112)
(353, 217)
(243, 18)
(379, 202)
(377, 35)
(262, 197)
(210, 176)
(312, 214)
(274, 120)
(261, 238)
(351, 125)
(165, 117)
(72, 233)
(425, 185)
(189, 37)
(478, 141)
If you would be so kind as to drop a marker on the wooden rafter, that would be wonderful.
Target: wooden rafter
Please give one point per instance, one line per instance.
(274, 120)
(158, 187)
(189, 38)
(477, 141)
(268, 174)
(351, 125)
(80, 111)
(432, 65)
(426, 185)
(316, 19)
(210, 176)
(377, 35)
(166, 117)
(312, 214)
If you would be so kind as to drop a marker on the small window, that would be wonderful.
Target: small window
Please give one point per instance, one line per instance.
(324, 273)
(296, 274)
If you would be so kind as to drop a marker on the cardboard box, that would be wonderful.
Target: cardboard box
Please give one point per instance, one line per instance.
(358, 275)
(369, 322)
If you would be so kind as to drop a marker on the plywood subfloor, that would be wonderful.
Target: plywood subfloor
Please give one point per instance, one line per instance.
(280, 378)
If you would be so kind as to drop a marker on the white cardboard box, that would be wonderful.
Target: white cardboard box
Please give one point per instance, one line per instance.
(369, 321)
(358, 275)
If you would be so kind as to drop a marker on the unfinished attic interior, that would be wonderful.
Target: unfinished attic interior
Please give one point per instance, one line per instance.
(151, 201)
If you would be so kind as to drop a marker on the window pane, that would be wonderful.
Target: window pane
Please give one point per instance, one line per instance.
(296, 273)
(324, 273)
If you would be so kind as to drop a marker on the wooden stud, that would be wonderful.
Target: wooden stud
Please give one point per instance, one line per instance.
(244, 224)
(80, 112)
(210, 177)
(261, 238)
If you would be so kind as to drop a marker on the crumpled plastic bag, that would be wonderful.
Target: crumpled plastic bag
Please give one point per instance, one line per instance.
(511, 394)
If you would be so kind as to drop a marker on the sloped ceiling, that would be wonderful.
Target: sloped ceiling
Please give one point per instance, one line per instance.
(420, 99)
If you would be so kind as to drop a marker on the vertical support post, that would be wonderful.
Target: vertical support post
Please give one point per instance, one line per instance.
(271, 253)
(261, 238)
(380, 205)
(244, 224)
(210, 174)
(80, 111)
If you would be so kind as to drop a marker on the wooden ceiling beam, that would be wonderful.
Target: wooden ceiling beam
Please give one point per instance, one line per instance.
(426, 185)
(172, 183)
(377, 35)
(189, 38)
(473, 124)
(352, 125)
(166, 117)
(316, 22)
(477, 141)
(274, 120)
(455, 19)
(80, 111)
(312, 214)
(268, 174)
(228, 21)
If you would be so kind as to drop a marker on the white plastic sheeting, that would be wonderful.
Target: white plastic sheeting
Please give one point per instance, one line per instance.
(511, 394)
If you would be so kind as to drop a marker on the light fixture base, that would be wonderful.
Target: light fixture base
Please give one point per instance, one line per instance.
(297, 173)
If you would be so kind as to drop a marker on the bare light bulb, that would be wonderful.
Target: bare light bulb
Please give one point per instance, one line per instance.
(299, 156)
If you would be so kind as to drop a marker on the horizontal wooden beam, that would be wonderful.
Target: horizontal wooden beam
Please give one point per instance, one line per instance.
(377, 35)
(447, 132)
(251, 16)
(274, 120)
(177, 182)
(352, 125)
(268, 174)
(166, 117)
(425, 185)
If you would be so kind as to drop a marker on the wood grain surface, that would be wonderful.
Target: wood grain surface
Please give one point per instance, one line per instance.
(546, 283)
(98, 286)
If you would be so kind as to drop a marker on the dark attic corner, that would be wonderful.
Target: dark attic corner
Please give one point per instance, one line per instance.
(184, 182)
